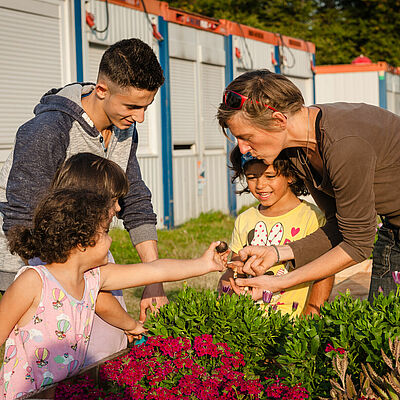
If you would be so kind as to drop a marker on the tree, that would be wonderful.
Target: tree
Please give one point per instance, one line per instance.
(341, 29)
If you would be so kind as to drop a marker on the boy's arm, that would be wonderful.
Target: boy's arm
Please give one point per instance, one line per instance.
(110, 310)
(115, 276)
(140, 221)
(148, 252)
(17, 300)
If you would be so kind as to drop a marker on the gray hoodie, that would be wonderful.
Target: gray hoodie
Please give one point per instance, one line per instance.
(60, 129)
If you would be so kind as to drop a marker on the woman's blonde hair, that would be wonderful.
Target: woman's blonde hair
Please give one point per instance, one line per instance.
(262, 87)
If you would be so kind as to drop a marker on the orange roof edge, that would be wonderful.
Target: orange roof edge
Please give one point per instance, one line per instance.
(295, 43)
(340, 68)
(222, 26)
(193, 20)
(234, 28)
(152, 6)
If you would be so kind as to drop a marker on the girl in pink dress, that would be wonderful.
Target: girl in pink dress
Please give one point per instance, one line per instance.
(47, 313)
(89, 171)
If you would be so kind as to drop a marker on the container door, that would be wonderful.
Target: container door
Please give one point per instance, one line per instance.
(297, 67)
(197, 71)
(32, 61)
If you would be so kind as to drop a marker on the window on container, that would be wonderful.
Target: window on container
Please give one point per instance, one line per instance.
(212, 87)
(183, 104)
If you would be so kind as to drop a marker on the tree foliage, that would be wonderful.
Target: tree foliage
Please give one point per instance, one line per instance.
(341, 29)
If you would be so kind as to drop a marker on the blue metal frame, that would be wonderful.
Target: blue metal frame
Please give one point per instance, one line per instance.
(278, 60)
(166, 134)
(313, 80)
(78, 40)
(230, 143)
(382, 89)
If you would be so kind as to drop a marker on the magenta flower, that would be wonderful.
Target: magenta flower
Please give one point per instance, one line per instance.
(225, 289)
(267, 296)
(330, 348)
(294, 306)
(171, 368)
(396, 277)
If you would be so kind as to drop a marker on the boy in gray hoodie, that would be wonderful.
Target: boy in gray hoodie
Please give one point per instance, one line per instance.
(84, 117)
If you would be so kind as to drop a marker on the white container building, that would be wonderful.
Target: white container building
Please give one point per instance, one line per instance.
(37, 53)
(377, 84)
(182, 152)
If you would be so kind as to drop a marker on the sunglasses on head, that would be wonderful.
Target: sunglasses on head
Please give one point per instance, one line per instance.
(235, 100)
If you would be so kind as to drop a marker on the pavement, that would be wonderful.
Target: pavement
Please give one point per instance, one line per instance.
(356, 279)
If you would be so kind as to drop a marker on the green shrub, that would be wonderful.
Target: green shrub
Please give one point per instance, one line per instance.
(235, 320)
(356, 326)
(299, 350)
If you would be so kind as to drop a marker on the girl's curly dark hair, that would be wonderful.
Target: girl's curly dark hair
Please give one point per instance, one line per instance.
(89, 171)
(282, 167)
(63, 220)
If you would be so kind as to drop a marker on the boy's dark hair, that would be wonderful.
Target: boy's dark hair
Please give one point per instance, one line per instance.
(63, 220)
(131, 62)
(89, 171)
(281, 165)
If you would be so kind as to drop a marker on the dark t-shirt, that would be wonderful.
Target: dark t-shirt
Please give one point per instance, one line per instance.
(360, 148)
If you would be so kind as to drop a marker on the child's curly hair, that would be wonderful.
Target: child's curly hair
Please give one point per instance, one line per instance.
(63, 220)
(282, 167)
(89, 171)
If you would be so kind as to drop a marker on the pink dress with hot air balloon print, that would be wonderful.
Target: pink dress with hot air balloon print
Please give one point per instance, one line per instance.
(53, 345)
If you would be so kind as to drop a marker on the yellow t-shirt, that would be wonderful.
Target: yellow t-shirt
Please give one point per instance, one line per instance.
(254, 229)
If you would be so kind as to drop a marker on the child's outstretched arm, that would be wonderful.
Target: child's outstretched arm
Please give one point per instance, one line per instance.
(110, 310)
(23, 295)
(114, 276)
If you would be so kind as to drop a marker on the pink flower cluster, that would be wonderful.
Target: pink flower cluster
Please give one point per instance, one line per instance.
(170, 368)
(330, 348)
(278, 390)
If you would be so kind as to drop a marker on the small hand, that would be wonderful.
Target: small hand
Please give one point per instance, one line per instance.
(256, 293)
(216, 261)
(237, 267)
(260, 283)
(153, 298)
(258, 259)
(136, 332)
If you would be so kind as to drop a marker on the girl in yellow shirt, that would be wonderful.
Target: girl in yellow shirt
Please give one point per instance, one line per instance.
(280, 218)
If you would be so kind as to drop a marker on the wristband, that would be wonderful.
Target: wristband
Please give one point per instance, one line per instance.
(277, 253)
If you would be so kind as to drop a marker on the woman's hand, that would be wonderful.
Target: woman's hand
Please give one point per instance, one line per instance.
(256, 293)
(258, 285)
(216, 261)
(257, 259)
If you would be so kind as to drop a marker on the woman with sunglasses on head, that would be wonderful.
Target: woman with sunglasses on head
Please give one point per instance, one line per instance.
(349, 157)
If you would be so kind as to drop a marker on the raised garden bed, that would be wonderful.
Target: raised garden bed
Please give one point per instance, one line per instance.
(92, 371)
(302, 351)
